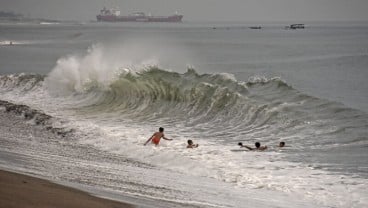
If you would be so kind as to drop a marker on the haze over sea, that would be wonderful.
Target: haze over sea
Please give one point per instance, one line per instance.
(103, 89)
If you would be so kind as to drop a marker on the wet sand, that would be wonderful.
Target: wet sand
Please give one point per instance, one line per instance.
(18, 190)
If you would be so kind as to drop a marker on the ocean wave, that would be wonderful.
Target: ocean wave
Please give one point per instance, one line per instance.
(195, 100)
(206, 99)
(37, 117)
(155, 93)
(21, 82)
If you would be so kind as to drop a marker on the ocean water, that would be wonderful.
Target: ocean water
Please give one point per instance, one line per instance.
(108, 87)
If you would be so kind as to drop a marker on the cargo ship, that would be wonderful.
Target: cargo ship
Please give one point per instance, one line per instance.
(113, 15)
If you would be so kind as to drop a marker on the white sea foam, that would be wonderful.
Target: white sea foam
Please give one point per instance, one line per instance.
(12, 43)
(49, 23)
(100, 66)
(245, 170)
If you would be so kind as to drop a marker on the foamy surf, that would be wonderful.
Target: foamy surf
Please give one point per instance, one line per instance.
(12, 43)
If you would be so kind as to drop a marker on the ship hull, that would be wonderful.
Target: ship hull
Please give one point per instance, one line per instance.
(113, 18)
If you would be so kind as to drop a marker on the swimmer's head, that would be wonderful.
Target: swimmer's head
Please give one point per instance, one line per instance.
(257, 144)
(240, 144)
(190, 142)
(282, 144)
(161, 129)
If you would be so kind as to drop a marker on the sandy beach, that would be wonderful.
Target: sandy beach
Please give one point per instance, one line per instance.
(18, 190)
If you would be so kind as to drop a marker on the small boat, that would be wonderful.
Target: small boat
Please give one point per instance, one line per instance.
(255, 27)
(295, 26)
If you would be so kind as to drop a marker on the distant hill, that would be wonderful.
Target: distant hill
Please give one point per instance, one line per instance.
(9, 15)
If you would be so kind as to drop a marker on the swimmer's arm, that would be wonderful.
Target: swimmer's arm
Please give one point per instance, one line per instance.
(166, 138)
(245, 146)
(149, 139)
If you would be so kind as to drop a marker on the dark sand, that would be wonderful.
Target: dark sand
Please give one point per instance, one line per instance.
(18, 190)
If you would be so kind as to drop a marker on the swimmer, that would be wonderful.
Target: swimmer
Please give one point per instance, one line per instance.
(257, 144)
(156, 137)
(282, 144)
(191, 145)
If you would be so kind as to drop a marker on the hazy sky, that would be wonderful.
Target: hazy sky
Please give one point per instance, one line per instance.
(200, 10)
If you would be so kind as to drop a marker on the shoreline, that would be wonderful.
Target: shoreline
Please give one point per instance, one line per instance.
(18, 190)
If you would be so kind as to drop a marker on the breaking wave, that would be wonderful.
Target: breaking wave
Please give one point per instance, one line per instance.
(37, 117)
(201, 101)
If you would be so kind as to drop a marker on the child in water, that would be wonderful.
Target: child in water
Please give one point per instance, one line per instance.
(156, 137)
(191, 145)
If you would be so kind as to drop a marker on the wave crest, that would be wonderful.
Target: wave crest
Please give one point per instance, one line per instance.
(21, 82)
(158, 94)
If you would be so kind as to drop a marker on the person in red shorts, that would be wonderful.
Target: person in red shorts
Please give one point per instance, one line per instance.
(156, 137)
